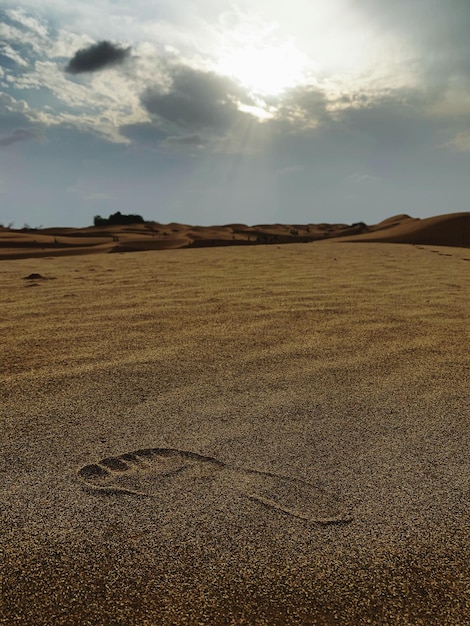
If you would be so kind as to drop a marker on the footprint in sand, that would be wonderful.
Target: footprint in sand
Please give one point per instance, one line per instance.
(149, 472)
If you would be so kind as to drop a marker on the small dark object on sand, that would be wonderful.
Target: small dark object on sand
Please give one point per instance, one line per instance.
(34, 277)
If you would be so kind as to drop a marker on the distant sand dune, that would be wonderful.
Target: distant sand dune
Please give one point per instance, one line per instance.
(443, 230)
(452, 229)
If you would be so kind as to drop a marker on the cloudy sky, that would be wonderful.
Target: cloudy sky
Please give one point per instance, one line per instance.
(218, 111)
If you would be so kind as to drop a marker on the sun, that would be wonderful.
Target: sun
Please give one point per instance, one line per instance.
(264, 69)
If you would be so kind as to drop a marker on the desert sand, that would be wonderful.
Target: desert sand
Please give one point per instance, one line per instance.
(269, 434)
(451, 229)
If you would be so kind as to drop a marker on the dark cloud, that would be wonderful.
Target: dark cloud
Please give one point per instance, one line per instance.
(19, 134)
(206, 104)
(143, 133)
(97, 57)
(196, 100)
(392, 123)
(302, 107)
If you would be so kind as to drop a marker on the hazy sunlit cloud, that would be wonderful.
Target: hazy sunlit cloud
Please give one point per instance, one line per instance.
(274, 75)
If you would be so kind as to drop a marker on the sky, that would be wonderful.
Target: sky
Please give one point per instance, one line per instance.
(244, 111)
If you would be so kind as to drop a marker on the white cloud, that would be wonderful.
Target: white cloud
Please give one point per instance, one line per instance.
(99, 104)
(8, 51)
(22, 37)
(13, 105)
(66, 44)
(105, 124)
(29, 22)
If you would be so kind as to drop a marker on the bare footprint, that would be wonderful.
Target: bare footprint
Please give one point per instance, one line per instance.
(150, 471)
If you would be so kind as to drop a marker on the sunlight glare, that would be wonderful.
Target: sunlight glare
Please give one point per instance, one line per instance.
(264, 69)
(275, 49)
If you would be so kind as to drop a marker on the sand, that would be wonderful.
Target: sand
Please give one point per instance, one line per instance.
(450, 229)
(236, 435)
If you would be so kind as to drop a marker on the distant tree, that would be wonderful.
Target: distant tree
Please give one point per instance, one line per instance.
(118, 219)
(99, 221)
(361, 225)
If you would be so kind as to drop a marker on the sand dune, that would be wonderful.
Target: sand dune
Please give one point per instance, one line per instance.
(445, 230)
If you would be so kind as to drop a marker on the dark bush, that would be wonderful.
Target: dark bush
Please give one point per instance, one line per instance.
(118, 219)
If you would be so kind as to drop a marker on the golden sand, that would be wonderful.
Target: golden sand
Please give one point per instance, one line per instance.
(180, 427)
